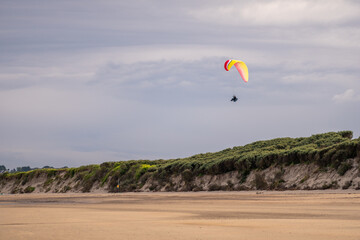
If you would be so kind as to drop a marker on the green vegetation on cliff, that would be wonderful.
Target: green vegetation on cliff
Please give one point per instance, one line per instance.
(326, 150)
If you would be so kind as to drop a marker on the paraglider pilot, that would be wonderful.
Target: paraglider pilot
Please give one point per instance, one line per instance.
(234, 99)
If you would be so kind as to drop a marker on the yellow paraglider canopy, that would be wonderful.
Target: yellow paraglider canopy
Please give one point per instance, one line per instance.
(240, 66)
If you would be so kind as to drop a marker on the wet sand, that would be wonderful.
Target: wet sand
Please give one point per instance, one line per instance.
(202, 215)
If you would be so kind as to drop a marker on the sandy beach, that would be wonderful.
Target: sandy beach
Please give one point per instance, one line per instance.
(188, 215)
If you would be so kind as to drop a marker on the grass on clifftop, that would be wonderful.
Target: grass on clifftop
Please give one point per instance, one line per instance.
(326, 150)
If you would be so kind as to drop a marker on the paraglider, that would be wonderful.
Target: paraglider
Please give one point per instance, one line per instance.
(240, 66)
(242, 69)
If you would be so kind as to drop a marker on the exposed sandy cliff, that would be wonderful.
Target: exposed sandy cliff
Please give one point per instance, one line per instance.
(322, 161)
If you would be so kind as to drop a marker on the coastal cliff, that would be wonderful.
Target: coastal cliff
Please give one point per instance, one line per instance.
(322, 161)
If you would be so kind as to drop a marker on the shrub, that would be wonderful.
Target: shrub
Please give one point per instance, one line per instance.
(346, 134)
(347, 184)
(50, 172)
(25, 179)
(48, 182)
(333, 185)
(277, 184)
(29, 189)
(260, 182)
(143, 168)
(214, 187)
(15, 190)
(243, 176)
(65, 189)
(305, 178)
(230, 185)
(343, 168)
(187, 175)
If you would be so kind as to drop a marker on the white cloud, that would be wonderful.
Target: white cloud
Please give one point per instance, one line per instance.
(279, 12)
(347, 96)
(321, 77)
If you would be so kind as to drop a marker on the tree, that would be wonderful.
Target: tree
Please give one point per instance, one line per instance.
(44, 167)
(23, 169)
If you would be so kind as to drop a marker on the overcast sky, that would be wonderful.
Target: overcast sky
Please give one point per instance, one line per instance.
(85, 82)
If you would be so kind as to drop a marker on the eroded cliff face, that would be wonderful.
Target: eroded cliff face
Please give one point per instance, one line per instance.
(294, 177)
(276, 177)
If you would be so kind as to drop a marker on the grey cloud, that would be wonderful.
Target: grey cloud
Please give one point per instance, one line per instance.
(279, 13)
(88, 81)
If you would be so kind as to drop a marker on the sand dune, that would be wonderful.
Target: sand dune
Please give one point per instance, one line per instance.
(202, 215)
